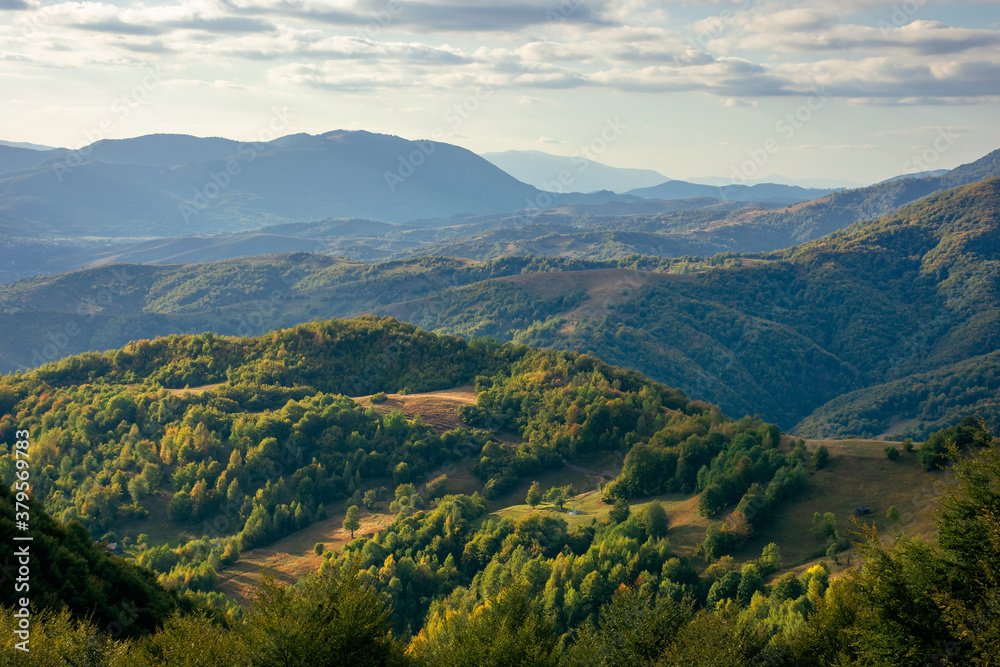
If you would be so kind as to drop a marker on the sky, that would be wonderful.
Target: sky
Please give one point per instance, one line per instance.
(850, 90)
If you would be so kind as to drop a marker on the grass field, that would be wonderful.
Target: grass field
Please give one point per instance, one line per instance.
(687, 526)
(857, 473)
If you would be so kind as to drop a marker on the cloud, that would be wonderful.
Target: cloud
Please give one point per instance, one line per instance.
(145, 20)
(806, 30)
(441, 16)
(768, 48)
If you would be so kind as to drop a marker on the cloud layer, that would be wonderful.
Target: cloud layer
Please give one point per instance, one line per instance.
(868, 53)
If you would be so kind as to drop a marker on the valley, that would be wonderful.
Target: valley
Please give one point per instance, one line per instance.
(466, 430)
(549, 333)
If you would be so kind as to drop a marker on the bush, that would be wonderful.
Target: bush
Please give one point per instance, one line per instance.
(820, 457)
(318, 549)
(656, 519)
(437, 486)
(380, 397)
(891, 453)
(908, 445)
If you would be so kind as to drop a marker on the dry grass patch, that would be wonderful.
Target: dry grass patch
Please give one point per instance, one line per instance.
(437, 408)
(292, 557)
(195, 390)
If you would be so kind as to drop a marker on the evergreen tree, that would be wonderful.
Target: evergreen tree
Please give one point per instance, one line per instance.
(351, 521)
(331, 619)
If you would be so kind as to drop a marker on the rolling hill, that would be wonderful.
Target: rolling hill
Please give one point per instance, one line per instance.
(886, 329)
(214, 458)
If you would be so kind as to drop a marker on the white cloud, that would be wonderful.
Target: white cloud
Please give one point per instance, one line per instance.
(754, 50)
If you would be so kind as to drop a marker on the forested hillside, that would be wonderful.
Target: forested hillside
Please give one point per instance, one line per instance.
(268, 440)
(908, 299)
(884, 329)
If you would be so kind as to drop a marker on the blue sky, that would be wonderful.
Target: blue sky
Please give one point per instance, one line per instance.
(806, 89)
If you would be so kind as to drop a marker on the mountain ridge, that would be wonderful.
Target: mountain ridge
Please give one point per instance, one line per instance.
(782, 334)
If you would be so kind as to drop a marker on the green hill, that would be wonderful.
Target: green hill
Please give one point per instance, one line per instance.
(269, 445)
(63, 567)
(890, 312)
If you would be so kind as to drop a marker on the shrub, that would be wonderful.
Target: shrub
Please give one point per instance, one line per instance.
(891, 453)
(820, 457)
(380, 397)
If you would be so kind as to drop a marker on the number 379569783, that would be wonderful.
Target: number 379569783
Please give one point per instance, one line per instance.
(23, 475)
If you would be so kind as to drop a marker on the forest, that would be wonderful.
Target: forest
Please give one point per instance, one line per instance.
(609, 594)
(270, 437)
(886, 327)
(189, 450)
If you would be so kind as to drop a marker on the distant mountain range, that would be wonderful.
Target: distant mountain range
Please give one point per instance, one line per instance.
(822, 183)
(558, 173)
(125, 201)
(918, 174)
(625, 225)
(169, 185)
(25, 144)
(166, 185)
(765, 192)
(891, 327)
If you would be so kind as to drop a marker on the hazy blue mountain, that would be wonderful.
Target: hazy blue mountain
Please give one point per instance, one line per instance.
(161, 150)
(822, 183)
(171, 185)
(762, 192)
(25, 144)
(13, 158)
(559, 173)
